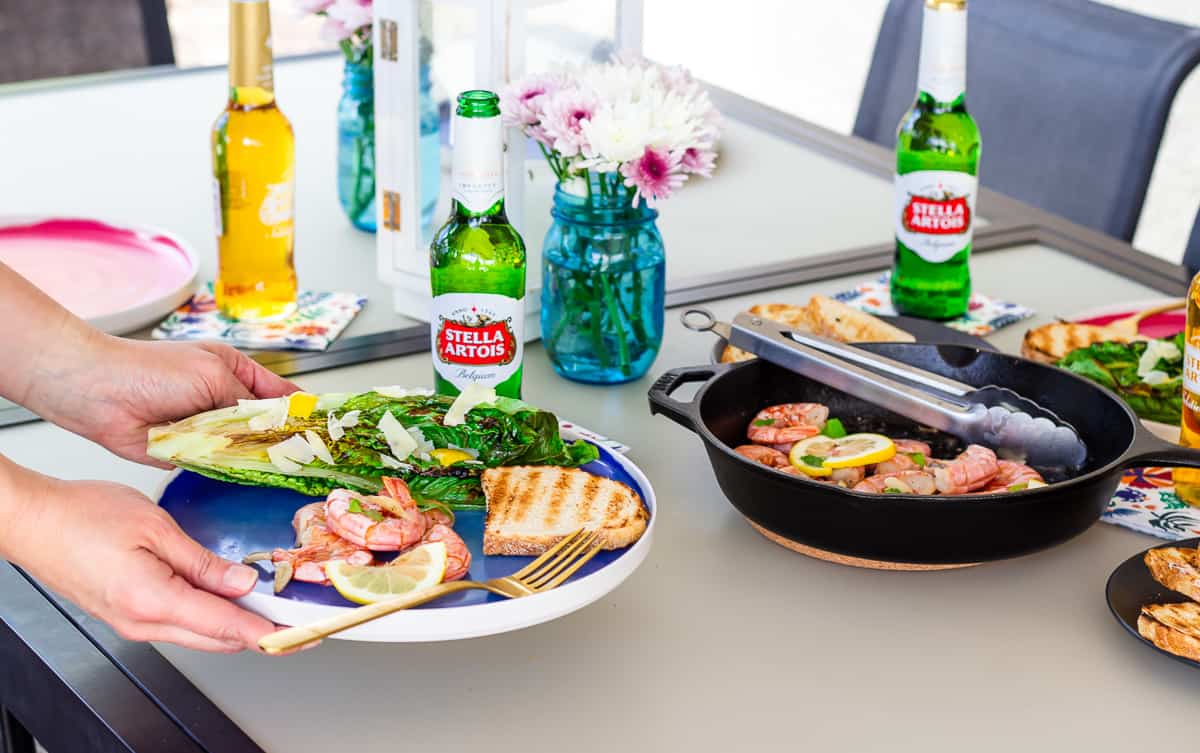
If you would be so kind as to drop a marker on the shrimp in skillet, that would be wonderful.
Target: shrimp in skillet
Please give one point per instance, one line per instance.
(1011, 474)
(973, 469)
(768, 456)
(904, 482)
(316, 545)
(375, 523)
(787, 424)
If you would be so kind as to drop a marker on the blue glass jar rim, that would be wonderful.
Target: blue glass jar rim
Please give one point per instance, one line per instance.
(580, 210)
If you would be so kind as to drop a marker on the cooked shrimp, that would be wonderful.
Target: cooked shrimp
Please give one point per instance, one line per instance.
(378, 527)
(904, 482)
(398, 500)
(973, 469)
(1011, 474)
(766, 455)
(848, 476)
(458, 557)
(911, 446)
(898, 463)
(315, 546)
(787, 423)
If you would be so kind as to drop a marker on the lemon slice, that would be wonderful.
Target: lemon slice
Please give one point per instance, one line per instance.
(414, 570)
(808, 463)
(447, 456)
(849, 451)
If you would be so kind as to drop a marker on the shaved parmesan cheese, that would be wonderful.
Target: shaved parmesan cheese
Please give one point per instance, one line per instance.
(334, 427)
(1156, 350)
(399, 392)
(318, 447)
(350, 420)
(290, 454)
(387, 461)
(254, 407)
(424, 446)
(399, 440)
(475, 394)
(1155, 377)
(273, 416)
(332, 400)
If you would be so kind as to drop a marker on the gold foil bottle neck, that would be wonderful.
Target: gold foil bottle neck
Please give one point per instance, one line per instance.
(946, 4)
(250, 60)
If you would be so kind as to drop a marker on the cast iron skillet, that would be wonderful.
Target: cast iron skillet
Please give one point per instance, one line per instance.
(902, 527)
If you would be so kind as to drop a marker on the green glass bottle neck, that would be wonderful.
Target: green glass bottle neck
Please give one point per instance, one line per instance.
(478, 103)
(929, 103)
(460, 212)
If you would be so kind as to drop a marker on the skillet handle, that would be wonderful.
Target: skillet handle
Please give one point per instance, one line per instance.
(684, 414)
(1150, 450)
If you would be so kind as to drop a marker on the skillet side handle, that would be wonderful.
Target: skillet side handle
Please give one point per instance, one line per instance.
(1150, 450)
(684, 414)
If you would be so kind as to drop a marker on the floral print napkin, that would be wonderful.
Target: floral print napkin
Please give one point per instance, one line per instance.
(984, 315)
(1146, 502)
(319, 319)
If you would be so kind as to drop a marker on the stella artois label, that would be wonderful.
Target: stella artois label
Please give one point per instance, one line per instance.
(935, 212)
(1191, 377)
(477, 337)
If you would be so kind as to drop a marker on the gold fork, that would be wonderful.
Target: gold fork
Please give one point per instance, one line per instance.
(546, 572)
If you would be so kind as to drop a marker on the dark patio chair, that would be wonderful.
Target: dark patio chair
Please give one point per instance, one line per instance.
(47, 38)
(1191, 254)
(1071, 98)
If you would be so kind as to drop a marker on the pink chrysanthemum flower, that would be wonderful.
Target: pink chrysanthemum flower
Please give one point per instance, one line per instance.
(699, 160)
(352, 14)
(654, 175)
(521, 102)
(564, 113)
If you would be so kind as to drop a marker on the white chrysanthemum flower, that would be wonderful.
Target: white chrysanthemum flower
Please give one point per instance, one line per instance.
(615, 134)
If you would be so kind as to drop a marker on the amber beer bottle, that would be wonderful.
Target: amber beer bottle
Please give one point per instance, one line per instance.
(253, 178)
(937, 160)
(1187, 480)
(477, 263)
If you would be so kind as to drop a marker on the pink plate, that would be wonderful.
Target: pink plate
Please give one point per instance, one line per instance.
(118, 278)
(1160, 325)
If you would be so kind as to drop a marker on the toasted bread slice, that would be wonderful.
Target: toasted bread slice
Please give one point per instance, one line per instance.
(837, 321)
(531, 508)
(1177, 569)
(1172, 627)
(1051, 343)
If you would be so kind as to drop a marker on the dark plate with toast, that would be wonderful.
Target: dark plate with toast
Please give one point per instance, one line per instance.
(1132, 587)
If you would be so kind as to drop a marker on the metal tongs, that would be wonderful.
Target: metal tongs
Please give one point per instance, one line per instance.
(997, 417)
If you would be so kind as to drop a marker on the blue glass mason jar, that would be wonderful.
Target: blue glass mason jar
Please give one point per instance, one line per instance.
(356, 147)
(603, 283)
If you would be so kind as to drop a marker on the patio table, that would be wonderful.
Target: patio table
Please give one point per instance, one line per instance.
(722, 640)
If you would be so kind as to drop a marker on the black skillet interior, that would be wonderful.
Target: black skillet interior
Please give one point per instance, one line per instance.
(1106, 427)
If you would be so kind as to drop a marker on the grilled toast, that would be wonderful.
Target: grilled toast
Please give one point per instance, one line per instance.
(826, 317)
(1051, 343)
(1177, 569)
(531, 508)
(1172, 627)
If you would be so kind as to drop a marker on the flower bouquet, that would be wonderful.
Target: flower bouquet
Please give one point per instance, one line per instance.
(619, 137)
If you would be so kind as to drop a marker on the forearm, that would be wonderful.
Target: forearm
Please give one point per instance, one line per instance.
(22, 496)
(46, 348)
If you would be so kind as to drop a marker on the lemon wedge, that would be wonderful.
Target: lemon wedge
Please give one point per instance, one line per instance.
(416, 569)
(301, 404)
(446, 456)
(849, 451)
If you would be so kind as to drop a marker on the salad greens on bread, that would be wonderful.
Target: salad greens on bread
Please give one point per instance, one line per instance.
(1148, 375)
(312, 444)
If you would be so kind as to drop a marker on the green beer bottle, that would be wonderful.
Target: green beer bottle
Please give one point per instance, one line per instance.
(937, 160)
(477, 263)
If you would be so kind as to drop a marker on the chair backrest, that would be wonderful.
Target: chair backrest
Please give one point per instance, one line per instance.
(1071, 98)
(1191, 254)
(47, 38)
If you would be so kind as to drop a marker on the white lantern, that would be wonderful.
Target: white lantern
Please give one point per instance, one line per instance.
(426, 52)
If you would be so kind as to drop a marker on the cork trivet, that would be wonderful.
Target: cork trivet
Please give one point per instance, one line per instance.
(843, 559)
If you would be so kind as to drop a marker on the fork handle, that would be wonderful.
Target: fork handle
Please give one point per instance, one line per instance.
(295, 637)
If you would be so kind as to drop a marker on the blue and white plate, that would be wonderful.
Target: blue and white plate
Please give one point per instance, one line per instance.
(234, 521)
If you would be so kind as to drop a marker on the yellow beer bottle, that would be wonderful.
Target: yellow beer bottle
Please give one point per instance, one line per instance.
(253, 178)
(1187, 481)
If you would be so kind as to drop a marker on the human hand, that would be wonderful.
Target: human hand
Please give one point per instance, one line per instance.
(120, 388)
(125, 561)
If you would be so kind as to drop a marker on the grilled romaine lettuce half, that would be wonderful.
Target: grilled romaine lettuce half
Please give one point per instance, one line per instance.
(503, 432)
(1148, 375)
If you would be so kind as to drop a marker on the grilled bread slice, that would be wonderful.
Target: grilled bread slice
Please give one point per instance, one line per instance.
(1172, 627)
(1051, 343)
(531, 508)
(837, 321)
(1177, 569)
(826, 317)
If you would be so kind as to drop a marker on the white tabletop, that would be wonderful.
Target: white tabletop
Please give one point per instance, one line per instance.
(722, 640)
